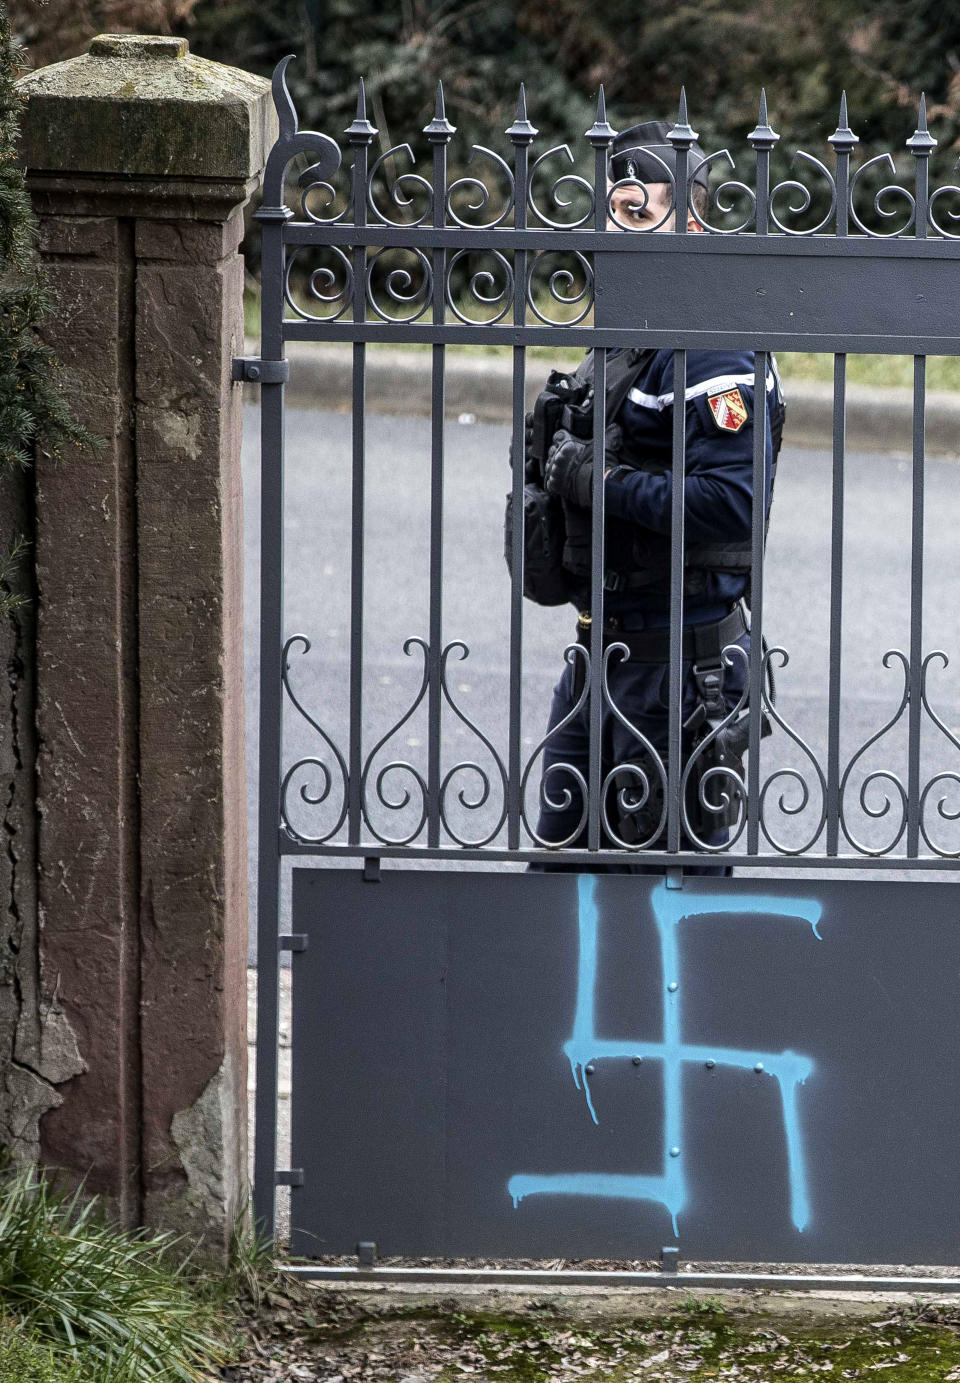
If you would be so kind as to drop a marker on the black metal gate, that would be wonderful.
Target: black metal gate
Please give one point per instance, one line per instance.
(455, 1034)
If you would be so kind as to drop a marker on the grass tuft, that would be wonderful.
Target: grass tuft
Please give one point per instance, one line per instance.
(25, 1359)
(102, 1298)
(252, 1264)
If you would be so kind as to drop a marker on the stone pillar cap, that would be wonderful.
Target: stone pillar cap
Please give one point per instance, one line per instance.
(142, 105)
(138, 46)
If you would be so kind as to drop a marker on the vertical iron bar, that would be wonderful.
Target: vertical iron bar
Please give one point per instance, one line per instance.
(515, 711)
(758, 527)
(682, 136)
(844, 141)
(762, 140)
(916, 608)
(439, 132)
(601, 136)
(271, 714)
(521, 134)
(836, 603)
(677, 540)
(920, 144)
(359, 135)
(437, 391)
(359, 399)
(596, 600)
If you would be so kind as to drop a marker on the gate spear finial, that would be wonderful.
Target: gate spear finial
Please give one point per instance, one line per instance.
(439, 128)
(763, 136)
(361, 130)
(843, 138)
(521, 131)
(601, 131)
(682, 136)
(921, 142)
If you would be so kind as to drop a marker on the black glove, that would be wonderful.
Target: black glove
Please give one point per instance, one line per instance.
(531, 471)
(568, 471)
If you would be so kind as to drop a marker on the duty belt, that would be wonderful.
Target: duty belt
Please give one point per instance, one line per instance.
(700, 643)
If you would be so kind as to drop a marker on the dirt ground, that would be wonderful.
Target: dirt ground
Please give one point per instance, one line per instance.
(300, 1333)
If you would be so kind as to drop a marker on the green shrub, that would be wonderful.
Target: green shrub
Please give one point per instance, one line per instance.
(24, 1359)
(105, 1298)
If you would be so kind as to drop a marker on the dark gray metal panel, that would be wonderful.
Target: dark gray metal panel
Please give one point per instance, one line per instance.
(856, 295)
(431, 1080)
(369, 1066)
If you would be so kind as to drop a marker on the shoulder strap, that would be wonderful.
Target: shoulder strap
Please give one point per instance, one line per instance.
(623, 371)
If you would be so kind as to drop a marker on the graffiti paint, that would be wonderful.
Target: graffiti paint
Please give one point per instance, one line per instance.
(789, 1069)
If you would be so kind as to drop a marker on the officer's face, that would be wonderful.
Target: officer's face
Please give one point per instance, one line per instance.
(633, 211)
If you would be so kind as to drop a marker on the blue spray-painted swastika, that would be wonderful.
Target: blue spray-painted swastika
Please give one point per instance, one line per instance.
(670, 908)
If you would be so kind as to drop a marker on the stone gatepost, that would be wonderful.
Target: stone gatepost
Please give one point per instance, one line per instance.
(139, 159)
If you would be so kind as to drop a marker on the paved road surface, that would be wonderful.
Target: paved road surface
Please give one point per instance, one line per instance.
(476, 594)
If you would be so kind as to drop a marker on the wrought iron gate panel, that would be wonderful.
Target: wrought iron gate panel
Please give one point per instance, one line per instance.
(843, 268)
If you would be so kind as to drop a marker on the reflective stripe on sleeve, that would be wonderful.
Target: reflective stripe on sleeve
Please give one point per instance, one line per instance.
(717, 385)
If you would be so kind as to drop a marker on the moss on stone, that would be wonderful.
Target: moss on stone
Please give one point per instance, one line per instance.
(142, 105)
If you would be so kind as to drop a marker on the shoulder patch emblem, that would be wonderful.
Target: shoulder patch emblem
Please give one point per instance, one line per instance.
(728, 409)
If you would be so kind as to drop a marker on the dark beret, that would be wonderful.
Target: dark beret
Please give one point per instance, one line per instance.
(631, 154)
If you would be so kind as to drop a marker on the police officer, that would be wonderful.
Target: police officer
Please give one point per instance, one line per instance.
(720, 413)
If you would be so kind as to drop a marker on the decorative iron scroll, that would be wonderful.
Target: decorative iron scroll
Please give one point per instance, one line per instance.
(489, 289)
(308, 770)
(329, 286)
(469, 767)
(396, 193)
(874, 798)
(720, 787)
(633, 793)
(559, 781)
(397, 769)
(787, 778)
(949, 778)
(637, 786)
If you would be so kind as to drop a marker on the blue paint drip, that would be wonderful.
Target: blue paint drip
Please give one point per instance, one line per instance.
(790, 1070)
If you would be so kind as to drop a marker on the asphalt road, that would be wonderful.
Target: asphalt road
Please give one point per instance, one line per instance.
(476, 610)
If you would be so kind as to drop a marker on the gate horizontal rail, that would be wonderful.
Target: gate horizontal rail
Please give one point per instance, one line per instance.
(570, 1277)
(660, 859)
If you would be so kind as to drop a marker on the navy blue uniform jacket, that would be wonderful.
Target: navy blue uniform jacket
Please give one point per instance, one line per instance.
(719, 474)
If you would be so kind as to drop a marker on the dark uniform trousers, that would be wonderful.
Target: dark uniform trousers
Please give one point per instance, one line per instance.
(640, 692)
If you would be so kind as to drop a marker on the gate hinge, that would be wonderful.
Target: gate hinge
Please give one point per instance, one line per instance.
(252, 370)
(294, 941)
(292, 1176)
